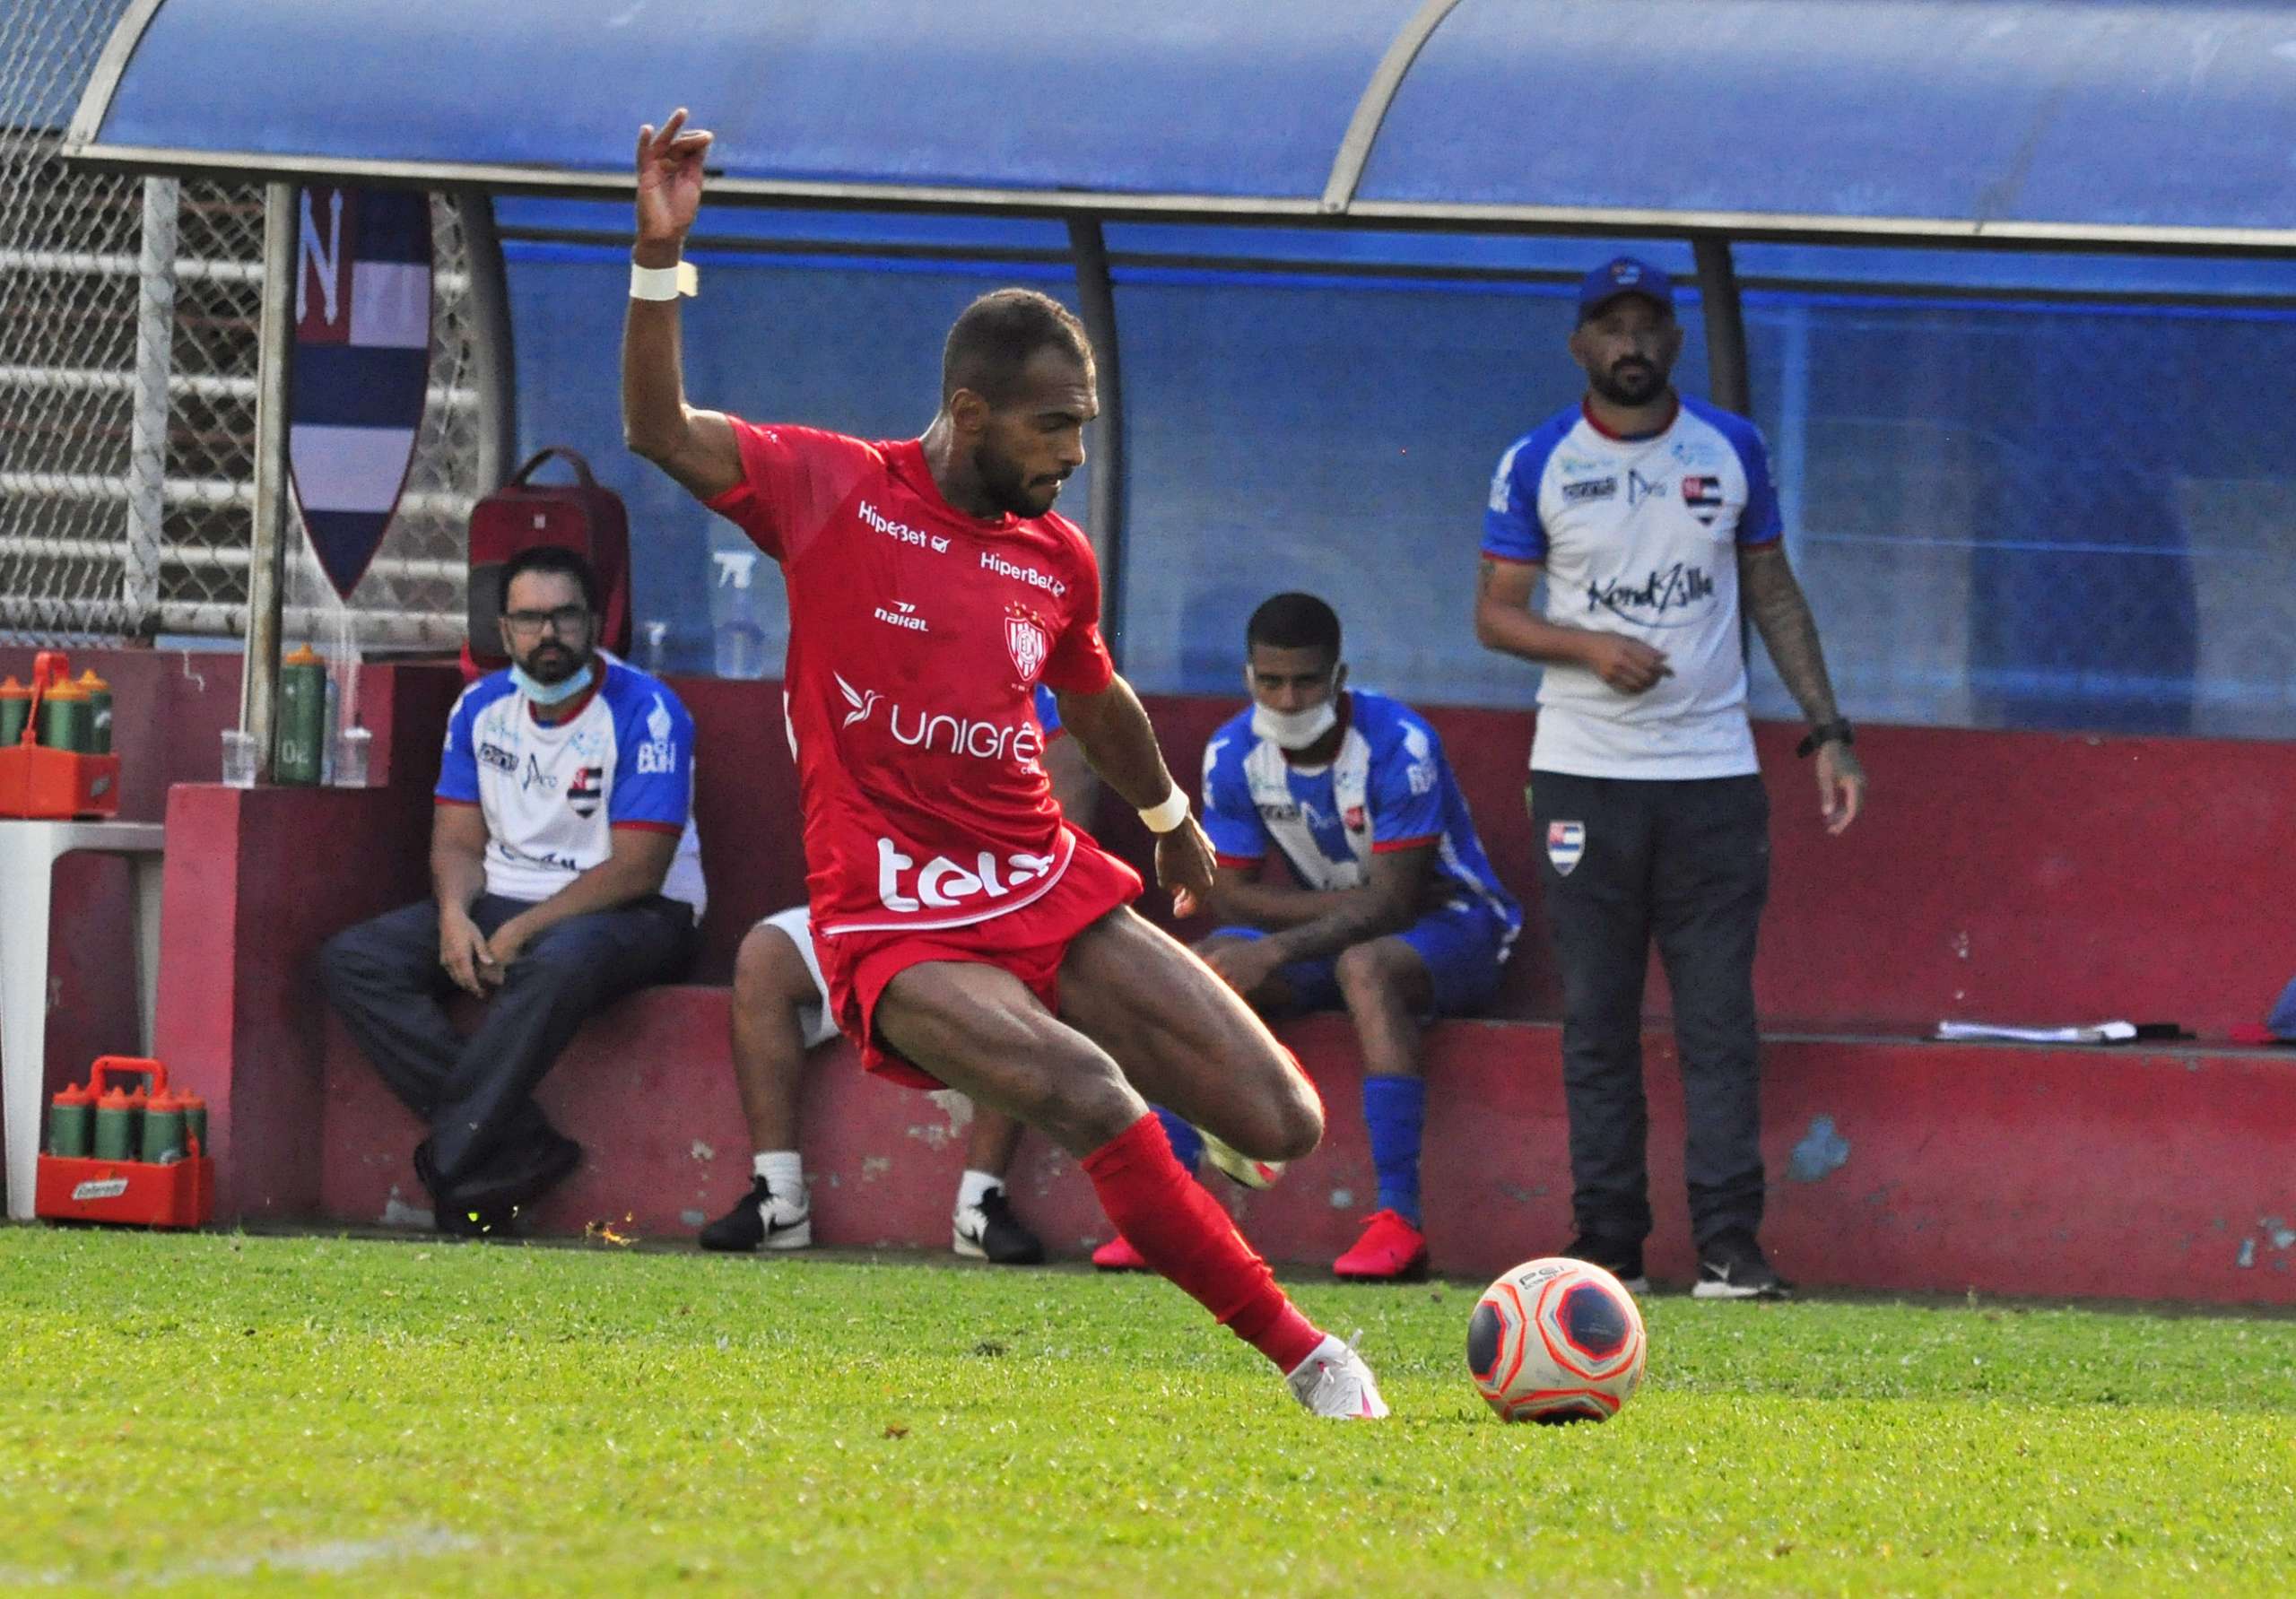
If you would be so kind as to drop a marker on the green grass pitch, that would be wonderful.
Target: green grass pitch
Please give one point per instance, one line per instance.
(230, 1413)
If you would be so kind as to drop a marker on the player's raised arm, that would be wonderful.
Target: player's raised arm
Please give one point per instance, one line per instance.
(696, 447)
(1113, 730)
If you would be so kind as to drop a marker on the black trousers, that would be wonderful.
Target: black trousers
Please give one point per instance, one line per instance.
(384, 978)
(1685, 864)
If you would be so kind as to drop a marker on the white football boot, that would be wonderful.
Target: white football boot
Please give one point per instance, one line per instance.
(1335, 1382)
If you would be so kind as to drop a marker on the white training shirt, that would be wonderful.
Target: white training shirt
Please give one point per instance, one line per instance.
(553, 793)
(1640, 536)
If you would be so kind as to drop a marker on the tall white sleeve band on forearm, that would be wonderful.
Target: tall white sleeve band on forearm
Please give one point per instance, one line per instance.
(663, 282)
(1163, 818)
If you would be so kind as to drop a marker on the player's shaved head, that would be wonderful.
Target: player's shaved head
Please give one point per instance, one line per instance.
(1294, 621)
(993, 341)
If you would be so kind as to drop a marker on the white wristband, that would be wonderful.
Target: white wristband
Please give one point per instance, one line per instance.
(1163, 818)
(663, 282)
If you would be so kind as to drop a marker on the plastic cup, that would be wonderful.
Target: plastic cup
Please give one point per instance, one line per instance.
(238, 757)
(353, 747)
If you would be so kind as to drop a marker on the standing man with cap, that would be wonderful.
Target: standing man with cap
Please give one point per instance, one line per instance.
(1655, 522)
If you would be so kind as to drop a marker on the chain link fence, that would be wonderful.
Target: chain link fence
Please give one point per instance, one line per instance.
(128, 317)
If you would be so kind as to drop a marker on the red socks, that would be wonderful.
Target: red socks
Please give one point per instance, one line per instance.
(1185, 1236)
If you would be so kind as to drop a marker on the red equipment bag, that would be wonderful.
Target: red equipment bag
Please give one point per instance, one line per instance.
(584, 516)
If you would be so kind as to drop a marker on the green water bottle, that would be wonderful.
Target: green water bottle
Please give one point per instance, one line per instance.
(302, 717)
(99, 694)
(195, 1123)
(70, 1116)
(115, 1128)
(15, 710)
(163, 1130)
(65, 721)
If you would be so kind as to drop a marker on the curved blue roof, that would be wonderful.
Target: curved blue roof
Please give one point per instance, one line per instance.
(2136, 123)
(1204, 97)
(1980, 116)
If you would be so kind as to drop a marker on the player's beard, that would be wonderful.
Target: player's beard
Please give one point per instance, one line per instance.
(1008, 487)
(554, 664)
(1630, 382)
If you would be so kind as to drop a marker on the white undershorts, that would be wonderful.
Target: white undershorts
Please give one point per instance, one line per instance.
(797, 925)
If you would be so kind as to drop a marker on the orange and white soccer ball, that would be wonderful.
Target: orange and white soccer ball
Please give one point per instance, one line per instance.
(1556, 1340)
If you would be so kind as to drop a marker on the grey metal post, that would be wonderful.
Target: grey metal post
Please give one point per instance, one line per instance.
(493, 368)
(1789, 451)
(1096, 294)
(147, 427)
(1727, 383)
(1726, 325)
(267, 552)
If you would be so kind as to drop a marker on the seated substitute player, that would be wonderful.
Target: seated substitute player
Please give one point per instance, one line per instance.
(1393, 911)
(970, 938)
(564, 874)
(781, 1010)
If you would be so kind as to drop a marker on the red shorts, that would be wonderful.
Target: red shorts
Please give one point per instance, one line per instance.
(1029, 943)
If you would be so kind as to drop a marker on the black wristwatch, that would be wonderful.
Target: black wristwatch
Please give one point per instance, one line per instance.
(1835, 732)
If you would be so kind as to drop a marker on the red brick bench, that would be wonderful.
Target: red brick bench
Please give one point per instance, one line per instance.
(2005, 875)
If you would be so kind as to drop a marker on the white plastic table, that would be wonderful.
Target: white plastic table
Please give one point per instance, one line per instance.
(29, 851)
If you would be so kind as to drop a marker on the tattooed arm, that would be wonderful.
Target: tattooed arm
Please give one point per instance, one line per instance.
(1781, 612)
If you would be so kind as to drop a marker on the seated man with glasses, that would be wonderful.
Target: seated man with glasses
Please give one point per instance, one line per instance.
(564, 874)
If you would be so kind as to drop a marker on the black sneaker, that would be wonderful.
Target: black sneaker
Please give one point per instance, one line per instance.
(762, 1219)
(1621, 1261)
(464, 1222)
(1732, 1266)
(990, 1232)
(512, 1180)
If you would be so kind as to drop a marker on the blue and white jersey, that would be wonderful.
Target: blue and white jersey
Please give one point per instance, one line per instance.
(553, 792)
(1389, 787)
(1640, 536)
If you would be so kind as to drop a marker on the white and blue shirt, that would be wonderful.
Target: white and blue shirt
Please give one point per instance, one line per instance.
(1640, 536)
(1388, 787)
(553, 792)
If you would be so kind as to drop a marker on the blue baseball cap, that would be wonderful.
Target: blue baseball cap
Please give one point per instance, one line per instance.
(1624, 274)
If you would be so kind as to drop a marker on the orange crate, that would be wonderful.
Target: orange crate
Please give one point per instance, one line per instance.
(57, 784)
(128, 1192)
(131, 1193)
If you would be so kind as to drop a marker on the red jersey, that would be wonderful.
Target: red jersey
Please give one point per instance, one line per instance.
(917, 636)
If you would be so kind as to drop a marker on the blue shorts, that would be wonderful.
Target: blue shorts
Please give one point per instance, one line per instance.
(1462, 946)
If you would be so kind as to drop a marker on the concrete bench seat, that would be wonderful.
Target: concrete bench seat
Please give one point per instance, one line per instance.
(1895, 1164)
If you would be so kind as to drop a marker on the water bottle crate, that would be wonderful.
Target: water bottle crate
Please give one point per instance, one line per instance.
(91, 1171)
(125, 1193)
(55, 759)
(57, 784)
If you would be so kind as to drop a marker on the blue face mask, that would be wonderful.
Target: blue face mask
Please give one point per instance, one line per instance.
(550, 693)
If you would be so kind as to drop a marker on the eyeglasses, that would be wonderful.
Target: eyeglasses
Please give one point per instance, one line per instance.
(566, 622)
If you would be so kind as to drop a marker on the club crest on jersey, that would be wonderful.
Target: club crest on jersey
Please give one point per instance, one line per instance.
(1028, 646)
(1703, 495)
(1566, 842)
(584, 793)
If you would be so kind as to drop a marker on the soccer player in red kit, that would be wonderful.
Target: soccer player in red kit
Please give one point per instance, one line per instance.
(969, 936)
